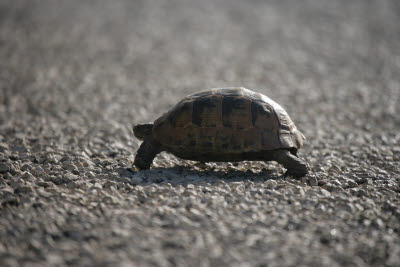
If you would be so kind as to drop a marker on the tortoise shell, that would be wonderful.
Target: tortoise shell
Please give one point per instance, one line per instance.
(232, 120)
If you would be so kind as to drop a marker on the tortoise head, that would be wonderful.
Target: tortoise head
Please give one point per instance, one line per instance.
(142, 130)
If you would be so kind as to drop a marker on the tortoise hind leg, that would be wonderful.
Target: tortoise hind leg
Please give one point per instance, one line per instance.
(295, 166)
(148, 150)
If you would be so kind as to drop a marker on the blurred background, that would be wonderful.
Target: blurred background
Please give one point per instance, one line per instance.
(117, 60)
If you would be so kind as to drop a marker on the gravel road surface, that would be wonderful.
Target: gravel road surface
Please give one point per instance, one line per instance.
(75, 75)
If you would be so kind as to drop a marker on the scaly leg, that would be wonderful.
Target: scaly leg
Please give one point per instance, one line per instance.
(295, 166)
(148, 150)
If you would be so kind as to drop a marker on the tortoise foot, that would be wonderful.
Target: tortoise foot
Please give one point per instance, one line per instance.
(301, 169)
(296, 173)
(141, 165)
(295, 166)
(148, 150)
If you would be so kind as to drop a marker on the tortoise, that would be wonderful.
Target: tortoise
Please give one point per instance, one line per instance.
(224, 125)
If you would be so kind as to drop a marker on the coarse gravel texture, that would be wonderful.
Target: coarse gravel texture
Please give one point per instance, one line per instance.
(76, 75)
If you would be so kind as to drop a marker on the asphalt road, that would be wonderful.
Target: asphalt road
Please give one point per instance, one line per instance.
(76, 75)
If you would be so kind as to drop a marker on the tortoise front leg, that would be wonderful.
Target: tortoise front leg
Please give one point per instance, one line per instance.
(147, 151)
(295, 166)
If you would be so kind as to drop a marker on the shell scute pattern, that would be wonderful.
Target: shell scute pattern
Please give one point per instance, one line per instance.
(181, 114)
(206, 111)
(284, 118)
(233, 120)
(206, 139)
(269, 138)
(234, 91)
(235, 112)
(263, 116)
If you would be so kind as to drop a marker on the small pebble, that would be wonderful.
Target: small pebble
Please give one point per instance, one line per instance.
(4, 168)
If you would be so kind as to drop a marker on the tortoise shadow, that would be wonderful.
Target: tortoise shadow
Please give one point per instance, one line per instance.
(184, 175)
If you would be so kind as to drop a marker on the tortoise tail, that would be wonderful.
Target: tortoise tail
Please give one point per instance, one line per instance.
(141, 131)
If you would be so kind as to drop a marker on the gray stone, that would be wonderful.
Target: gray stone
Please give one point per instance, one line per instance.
(136, 179)
(71, 167)
(313, 180)
(4, 167)
(325, 193)
(23, 189)
(28, 176)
